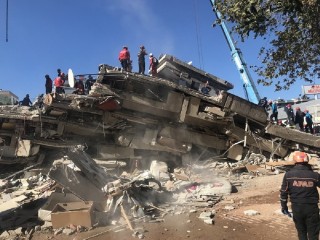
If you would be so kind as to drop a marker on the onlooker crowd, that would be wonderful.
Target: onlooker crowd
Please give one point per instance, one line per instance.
(302, 120)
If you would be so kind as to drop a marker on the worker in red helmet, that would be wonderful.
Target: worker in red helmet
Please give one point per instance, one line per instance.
(290, 115)
(299, 118)
(300, 183)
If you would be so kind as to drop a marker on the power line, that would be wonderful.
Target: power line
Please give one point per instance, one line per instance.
(7, 20)
(200, 56)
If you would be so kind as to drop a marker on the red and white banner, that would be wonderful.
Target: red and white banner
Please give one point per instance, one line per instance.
(311, 89)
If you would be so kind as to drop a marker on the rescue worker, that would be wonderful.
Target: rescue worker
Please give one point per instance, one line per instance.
(48, 84)
(299, 118)
(206, 88)
(89, 83)
(61, 74)
(141, 60)
(124, 58)
(274, 111)
(153, 65)
(58, 84)
(290, 114)
(263, 102)
(26, 101)
(301, 183)
(79, 86)
(309, 122)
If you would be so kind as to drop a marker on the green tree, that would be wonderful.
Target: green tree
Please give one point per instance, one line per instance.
(292, 31)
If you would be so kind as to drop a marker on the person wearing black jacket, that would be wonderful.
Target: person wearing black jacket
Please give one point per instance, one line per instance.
(301, 185)
(299, 118)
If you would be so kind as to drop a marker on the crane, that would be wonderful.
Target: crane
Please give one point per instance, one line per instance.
(250, 89)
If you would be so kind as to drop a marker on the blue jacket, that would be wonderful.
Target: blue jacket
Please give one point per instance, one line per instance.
(308, 118)
(274, 108)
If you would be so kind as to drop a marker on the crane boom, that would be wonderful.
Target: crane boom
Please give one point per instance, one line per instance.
(250, 89)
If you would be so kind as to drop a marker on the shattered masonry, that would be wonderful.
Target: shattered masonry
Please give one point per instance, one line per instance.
(129, 121)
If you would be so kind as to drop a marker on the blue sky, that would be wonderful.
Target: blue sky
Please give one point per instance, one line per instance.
(81, 34)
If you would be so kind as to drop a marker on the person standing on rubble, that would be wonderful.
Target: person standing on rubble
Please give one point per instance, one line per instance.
(309, 122)
(124, 58)
(299, 117)
(263, 102)
(61, 74)
(290, 114)
(141, 60)
(48, 84)
(58, 83)
(274, 111)
(89, 83)
(300, 183)
(153, 65)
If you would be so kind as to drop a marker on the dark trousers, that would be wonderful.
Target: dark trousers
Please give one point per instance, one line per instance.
(142, 67)
(124, 64)
(307, 221)
(275, 116)
(309, 127)
(48, 90)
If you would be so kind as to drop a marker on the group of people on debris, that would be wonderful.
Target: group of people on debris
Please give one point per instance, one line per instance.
(80, 87)
(301, 119)
(126, 62)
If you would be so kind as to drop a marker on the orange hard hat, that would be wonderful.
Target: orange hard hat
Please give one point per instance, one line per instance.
(300, 157)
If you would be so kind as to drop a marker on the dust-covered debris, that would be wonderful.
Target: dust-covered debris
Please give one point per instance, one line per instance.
(136, 149)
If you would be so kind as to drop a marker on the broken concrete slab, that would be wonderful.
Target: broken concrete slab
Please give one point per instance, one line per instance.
(76, 213)
(44, 213)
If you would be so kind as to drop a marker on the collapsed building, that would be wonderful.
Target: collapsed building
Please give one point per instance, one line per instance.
(131, 116)
(129, 120)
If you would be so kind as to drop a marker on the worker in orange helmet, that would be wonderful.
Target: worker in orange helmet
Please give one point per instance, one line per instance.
(300, 183)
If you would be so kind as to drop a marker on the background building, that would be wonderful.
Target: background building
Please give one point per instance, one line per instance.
(8, 98)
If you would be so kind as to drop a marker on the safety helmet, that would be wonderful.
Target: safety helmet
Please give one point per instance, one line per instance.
(270, 101)
(300, 157)
(150, 54)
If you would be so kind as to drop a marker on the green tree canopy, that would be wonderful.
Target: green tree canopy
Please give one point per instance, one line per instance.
(292, 28)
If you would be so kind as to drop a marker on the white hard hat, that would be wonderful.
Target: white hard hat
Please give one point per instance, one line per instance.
(150, 54)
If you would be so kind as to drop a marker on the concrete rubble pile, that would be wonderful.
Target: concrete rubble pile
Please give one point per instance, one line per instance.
(136, 148)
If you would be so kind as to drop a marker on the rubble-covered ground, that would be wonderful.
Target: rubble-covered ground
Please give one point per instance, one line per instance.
(260, 194)
(147, 158)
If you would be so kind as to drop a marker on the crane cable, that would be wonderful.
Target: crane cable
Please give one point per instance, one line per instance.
(7, 20)
(200, 55)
